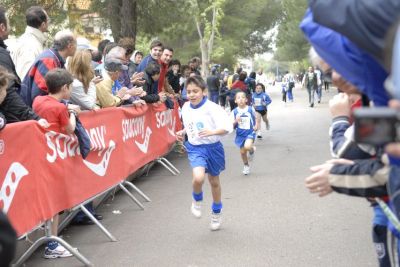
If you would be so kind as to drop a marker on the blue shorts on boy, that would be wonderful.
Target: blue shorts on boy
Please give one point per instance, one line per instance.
(206, 152)
(245, 127)
(209, 156)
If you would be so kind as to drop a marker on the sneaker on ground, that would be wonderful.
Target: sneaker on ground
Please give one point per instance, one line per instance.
(196, 209)
(246, 169)
(216, 220)
(58, 252)
(259, 136)
(251, 155)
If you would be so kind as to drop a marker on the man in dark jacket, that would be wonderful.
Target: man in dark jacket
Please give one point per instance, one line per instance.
(13, 108)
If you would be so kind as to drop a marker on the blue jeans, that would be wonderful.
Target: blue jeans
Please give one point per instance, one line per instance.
(214, 95)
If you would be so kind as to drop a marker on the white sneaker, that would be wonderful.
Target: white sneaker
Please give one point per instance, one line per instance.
(246, 169)
(58, 252)
(216, 220)
(251, 155)
(196, 209)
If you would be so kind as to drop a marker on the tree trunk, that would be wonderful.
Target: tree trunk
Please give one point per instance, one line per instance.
(114, 7)
(129, 22)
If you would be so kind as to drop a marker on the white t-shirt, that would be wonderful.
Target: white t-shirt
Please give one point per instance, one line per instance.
(208, 116)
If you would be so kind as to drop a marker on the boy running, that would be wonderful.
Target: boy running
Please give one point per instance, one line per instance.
(260, 103)
(244, 121)
(204, 123)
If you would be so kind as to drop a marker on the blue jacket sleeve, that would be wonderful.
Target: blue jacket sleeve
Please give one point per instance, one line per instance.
(267, 99)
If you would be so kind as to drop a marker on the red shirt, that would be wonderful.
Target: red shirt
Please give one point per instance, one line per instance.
(239, 85)
(53, 111)
(163, 74)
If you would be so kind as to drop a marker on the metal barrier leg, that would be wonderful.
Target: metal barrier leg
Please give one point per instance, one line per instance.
(170, 165)
(131, 196)
(160, 160)
(137, 190)
(48, 237)
(67, 220)
(93, 219)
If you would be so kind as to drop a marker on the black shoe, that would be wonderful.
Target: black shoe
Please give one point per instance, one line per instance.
(312, 105)
(319, 101)
(84, 221)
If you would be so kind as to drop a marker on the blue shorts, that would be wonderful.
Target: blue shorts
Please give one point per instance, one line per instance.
(209, 156)
(240, 140)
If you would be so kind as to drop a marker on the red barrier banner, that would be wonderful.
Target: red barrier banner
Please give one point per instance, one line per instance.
(43, 173)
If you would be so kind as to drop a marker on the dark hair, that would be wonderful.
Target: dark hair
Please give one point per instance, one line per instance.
(239, 92)
(128, 44)
(3, 19)
(239, 70)
(139, 53)
(56, 79)
(108, 47)
(168, 48)
(35, 16)
(195, 60)
(196, 80)
(156, 43)
(152, 69)
(96, 55)
(262, 86)
(252, 74)
(102, 44)
(175, 62)
(242, 76)
(184, 67)
(5, 77)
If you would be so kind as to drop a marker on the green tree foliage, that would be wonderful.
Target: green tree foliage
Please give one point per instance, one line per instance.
(16, 13)
(291, 43)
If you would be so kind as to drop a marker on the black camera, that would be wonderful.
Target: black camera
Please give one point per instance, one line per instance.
(97, 73)
(376, 126)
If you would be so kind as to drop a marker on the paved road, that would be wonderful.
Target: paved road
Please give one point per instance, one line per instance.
(269, 217)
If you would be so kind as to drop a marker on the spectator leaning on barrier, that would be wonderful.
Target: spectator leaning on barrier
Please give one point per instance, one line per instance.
(83, 88)
(129, 45)
(34, 83)
(164, 61)
(63, 120)
(107, 94)
(31, 43)
(174, 75)
(13, 108)
(156, 49)
(151, 75)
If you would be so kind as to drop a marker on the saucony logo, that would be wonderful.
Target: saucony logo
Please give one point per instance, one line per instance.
(9, 187)
(101, 168)
(145, 145)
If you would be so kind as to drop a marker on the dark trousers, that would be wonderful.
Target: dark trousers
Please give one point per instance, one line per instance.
(311, 95)
(379, 237)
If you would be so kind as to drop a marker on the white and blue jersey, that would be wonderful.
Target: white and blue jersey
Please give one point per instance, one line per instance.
(245, 126)
(260, 101)
(206, 152)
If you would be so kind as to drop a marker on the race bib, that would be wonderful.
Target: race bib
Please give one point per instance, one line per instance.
(257, 101)
(244, 122)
